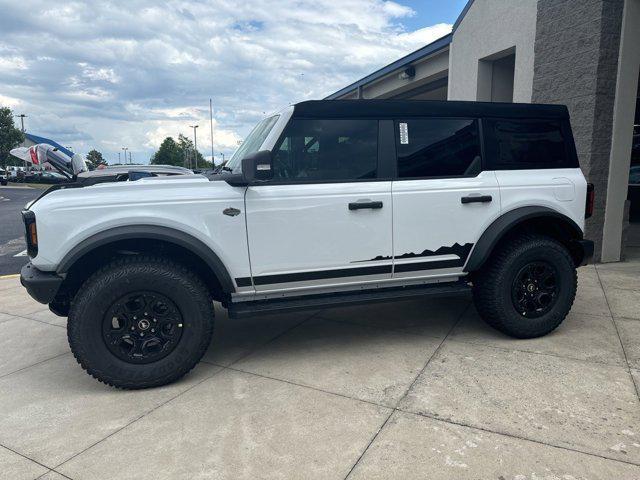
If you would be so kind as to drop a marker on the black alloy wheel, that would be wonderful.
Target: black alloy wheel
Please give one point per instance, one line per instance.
(535, 289)
(142, 327)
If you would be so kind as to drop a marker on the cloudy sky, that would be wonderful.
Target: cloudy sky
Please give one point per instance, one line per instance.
(107, 74)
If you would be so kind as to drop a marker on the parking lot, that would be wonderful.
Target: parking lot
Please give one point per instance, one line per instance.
(417, 389)
(12, 246)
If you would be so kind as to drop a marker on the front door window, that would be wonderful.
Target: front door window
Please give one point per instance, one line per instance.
(327, 150)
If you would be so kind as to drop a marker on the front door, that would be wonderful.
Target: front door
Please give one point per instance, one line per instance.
(442, 200)
(325, 218)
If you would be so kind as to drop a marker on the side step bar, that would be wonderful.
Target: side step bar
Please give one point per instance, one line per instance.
(292, 304)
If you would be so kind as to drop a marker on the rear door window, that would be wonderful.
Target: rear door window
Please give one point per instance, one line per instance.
(518, 144)
(437, 147)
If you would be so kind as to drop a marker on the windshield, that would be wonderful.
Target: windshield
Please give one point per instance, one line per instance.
(252, 143)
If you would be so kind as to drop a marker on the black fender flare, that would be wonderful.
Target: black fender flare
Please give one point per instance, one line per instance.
(150, 232)
(503, 224)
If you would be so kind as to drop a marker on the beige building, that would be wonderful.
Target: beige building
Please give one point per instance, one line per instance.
(582, 53)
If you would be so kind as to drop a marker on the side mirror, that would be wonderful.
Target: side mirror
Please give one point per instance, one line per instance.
(257, 166)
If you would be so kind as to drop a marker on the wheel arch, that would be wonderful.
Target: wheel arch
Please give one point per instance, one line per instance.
(538, 219)
(156, 235)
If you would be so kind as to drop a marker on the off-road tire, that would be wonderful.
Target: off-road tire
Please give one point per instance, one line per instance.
(492, 290)
(124, 275)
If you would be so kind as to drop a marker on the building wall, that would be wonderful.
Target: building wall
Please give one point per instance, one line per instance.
(427, 70)
(576, 59)
(490, 27)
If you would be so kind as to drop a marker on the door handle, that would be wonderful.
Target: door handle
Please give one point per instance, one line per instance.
(476, 199)
(362, 205)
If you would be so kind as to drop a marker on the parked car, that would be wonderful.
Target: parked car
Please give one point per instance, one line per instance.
(326, 203)
(45, 177)
(130, 172)
(15, 173)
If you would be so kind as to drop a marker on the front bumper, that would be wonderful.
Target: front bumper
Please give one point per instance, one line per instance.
(42, 286)
(584, 249)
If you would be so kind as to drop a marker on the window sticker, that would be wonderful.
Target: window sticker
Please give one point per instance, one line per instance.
(404, 134)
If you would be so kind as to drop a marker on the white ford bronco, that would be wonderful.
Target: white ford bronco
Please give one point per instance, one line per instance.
(326, 203)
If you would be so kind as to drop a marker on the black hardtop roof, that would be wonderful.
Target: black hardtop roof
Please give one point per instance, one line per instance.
(424, 108)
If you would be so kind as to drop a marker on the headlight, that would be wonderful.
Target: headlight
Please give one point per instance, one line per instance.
(31, 232)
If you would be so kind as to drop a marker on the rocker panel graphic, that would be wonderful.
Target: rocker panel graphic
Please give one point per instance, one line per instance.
(461, 251)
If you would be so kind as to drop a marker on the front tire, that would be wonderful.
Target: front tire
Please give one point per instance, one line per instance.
(140, 321)
(527, 288)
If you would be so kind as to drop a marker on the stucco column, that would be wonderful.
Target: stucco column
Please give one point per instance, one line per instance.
(622, 138)
(576, 63)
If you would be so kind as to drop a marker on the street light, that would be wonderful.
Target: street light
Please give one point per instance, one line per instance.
(195, 143)
(22, 116)
(125, 153)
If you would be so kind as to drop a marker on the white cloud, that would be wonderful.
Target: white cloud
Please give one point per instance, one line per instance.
(13, 63)
(9, 101)
(105, 75)
(223, 140)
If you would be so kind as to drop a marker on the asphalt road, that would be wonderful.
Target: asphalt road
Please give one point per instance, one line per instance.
(12, 246)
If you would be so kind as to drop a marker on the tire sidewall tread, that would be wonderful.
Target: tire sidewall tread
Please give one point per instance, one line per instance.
(492, 288)
(115, 279)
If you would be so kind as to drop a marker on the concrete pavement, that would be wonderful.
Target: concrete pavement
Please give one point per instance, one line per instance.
(416, 389)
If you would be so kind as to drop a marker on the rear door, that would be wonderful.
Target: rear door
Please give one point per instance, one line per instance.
(442, 200)
(325, 218)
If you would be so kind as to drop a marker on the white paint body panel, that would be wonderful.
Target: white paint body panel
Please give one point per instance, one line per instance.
(562, 189)
(428, 214)
(190, 204)
(309, 227)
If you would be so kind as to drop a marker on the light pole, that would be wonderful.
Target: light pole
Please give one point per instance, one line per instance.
(195, 144)
(213, 163)
(22, 117)
(125, 153)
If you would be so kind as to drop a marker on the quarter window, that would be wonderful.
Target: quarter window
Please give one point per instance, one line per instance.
(526, 144)
(326, 150)
(437, 147)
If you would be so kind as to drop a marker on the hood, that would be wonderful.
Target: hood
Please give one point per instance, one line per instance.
(122, 182)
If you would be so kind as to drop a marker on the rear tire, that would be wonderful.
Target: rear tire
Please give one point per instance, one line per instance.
(140, 321)
(527, 288)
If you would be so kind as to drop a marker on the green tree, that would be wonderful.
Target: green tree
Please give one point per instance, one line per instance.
(10, 136)
(168, 154)
(186, 147)
(180, 153)
(95, 159)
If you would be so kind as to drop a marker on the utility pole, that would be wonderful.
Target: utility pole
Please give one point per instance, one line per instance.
(118, 158)
(22, 116)
(195, 144)
(213, 163)
(125, 153)
(130, 157)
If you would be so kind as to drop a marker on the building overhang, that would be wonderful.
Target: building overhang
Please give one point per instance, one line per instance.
(438, 46)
